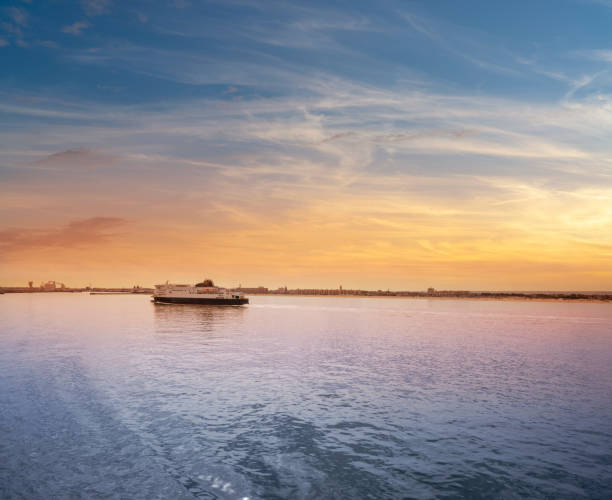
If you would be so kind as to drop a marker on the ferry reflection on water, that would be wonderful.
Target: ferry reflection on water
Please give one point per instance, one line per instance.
(177, 318)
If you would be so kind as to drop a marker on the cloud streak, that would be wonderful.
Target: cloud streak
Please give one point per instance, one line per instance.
(77, 233)
(78, 158)
(76, 28)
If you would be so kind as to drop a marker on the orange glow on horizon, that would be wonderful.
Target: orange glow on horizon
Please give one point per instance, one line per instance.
(360, 240)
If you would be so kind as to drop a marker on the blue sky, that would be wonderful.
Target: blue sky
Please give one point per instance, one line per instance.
(126, 52)
(477, 115)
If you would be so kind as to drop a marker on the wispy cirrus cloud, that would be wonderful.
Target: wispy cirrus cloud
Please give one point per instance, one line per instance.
(580, 83)
(459, 47)
(76, 28)
(598, 54)
(410, 121)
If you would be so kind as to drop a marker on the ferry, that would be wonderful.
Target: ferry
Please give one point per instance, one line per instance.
(201, 293)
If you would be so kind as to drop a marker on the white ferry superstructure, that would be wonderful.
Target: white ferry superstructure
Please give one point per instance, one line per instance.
(201, 293)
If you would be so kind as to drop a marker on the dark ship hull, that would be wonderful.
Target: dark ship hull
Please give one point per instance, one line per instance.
(216, 301)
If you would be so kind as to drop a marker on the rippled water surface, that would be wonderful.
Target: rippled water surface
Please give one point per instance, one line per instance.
(115, 397)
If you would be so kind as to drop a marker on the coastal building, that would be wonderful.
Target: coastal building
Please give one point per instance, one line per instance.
(49, 286)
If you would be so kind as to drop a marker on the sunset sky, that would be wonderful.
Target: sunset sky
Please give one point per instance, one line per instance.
(463, 145)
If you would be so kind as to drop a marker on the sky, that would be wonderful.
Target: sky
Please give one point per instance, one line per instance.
(376, 145)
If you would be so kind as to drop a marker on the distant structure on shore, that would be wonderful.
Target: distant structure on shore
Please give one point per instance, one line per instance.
(54, 286)
(51, 286)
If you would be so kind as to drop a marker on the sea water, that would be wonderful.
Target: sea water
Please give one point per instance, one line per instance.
(304, 397)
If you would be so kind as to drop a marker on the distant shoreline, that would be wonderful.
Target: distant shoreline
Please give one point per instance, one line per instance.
(603, 297)
(517, 298)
